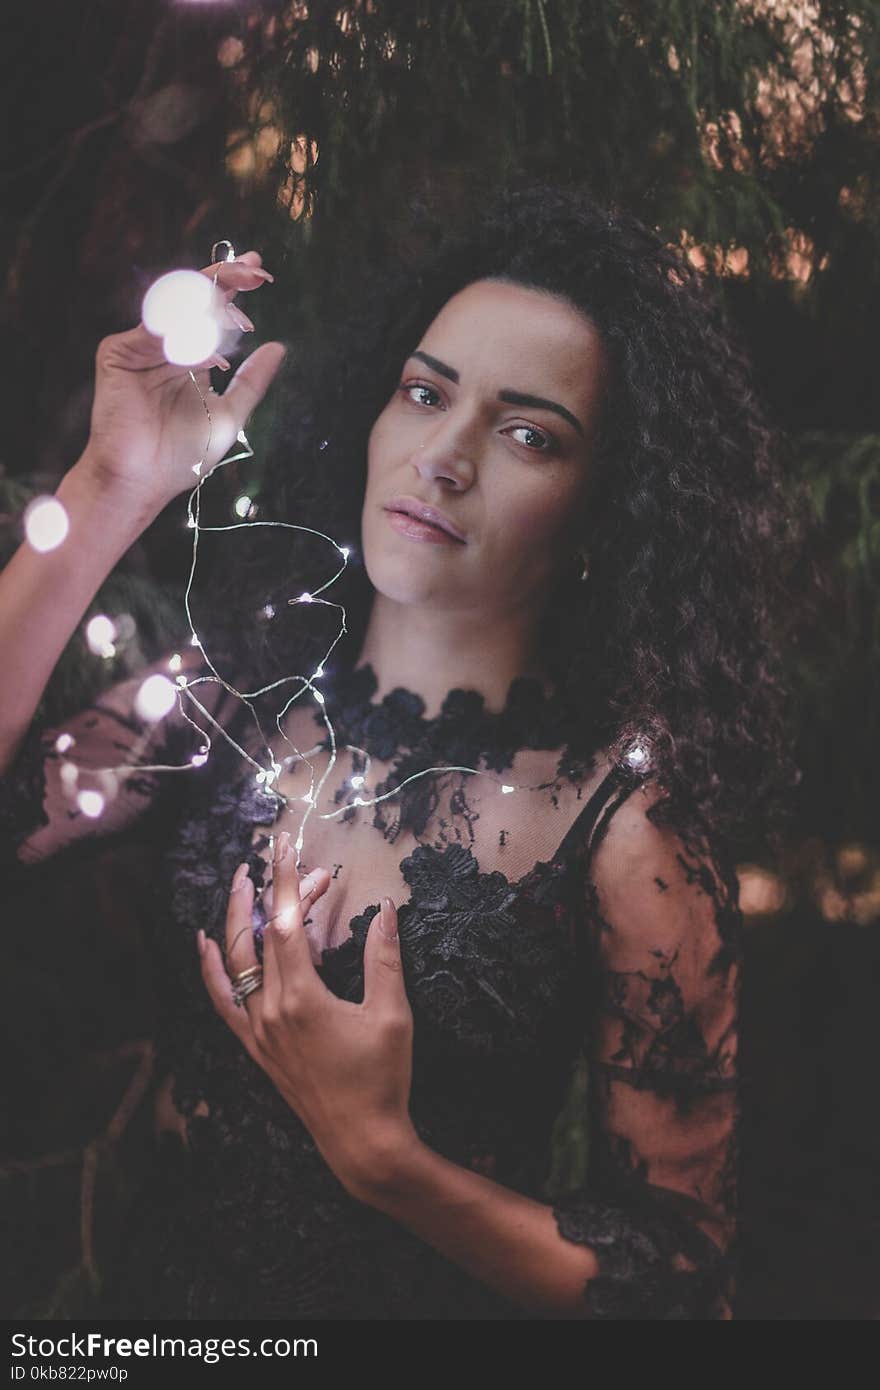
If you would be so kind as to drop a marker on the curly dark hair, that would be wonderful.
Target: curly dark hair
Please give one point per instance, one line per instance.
(677, 640)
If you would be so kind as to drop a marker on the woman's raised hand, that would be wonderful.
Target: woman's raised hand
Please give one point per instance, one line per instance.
(149, 427)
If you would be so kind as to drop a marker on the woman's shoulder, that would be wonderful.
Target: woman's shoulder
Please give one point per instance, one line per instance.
(646, 872)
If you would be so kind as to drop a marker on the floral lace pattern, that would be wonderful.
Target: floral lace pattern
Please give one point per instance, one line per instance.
(639, 962)
(464, 733)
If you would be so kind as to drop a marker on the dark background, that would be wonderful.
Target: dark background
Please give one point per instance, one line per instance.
(138, 132)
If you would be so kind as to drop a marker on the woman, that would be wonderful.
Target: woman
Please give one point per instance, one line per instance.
(557, 702)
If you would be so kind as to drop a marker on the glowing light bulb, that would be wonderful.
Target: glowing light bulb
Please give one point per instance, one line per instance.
(318, 696)
(45, 523)
(357, 781)
(318, 672)
(63, 742)
(507, 789)
(269, 611)
(242, 505)
(637, 755)
(100, 632)
(304, 598)
(199, 759)
(191, 523)
(174, 299)
(192, 342)
(176, 662)
(344, 551)
(91, 803)
(69, 772)
(155, 698)
(194, 641)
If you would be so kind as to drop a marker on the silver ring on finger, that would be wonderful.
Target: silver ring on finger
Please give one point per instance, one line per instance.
(240, 992)
(245, 974)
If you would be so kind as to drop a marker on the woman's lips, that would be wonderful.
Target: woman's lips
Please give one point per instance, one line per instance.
(419, 530)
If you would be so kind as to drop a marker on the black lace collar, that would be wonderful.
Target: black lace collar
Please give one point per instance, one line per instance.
(461, 734)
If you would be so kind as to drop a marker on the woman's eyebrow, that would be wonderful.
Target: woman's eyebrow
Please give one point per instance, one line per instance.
(511, 397)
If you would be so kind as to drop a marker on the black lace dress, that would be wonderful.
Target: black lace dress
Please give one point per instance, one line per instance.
(517, 953)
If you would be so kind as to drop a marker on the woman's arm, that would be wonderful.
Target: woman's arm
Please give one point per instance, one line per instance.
(649, 1236)
(148, 431)
(499, 1236)
(43, 596)
(107, 749)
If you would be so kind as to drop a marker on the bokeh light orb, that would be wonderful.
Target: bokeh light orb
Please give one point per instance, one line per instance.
(155, 698)
(760, 890)
(190, 343)
(100, 632)
(91, 803)
(69, 774)
(46, 523)
(174, 299)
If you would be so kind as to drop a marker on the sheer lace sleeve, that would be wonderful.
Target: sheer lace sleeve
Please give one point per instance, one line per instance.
(658, 1208)
(105, 751)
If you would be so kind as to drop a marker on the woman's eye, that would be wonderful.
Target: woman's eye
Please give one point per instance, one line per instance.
(416, 386)
(548, 443)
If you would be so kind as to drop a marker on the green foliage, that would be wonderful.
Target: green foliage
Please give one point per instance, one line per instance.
(694, 114)
(843, 476)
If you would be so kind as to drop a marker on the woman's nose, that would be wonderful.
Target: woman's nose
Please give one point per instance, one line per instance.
(434, 462)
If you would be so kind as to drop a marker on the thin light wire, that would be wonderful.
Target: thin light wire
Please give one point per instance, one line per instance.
(268, 775)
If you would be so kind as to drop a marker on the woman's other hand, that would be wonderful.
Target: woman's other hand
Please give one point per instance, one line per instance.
(344, 1068)
(149, 427)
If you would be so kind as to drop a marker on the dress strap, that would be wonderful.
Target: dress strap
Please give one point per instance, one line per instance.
(592, 821)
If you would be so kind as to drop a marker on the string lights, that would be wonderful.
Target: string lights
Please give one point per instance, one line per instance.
(182, 308)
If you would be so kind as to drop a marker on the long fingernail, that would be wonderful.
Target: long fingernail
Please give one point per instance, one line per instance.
(200, 941)
(387, 923)
(222, 363)
(282, 845)
(263, 274)
(241, 320)
(309, 883)
(239, 877)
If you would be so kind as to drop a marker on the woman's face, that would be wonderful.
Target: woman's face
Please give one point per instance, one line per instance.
(511, 476)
